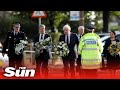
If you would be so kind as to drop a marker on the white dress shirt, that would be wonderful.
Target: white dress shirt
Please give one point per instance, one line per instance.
(68, 38)
(79, 36)
(40, 36)
(15, 33)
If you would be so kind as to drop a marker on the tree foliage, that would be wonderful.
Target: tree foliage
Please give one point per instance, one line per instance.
(55, 21)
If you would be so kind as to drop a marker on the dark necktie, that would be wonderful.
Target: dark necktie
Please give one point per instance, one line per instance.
(80, 36)
(41, 36)
(67, 39)
(15, 33)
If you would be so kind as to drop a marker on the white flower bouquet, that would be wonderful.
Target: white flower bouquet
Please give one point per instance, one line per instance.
(20, 47)
(39, 46)
(61, 49)
(46, 41)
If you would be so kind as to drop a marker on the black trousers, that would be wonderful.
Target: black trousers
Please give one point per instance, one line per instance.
(69, 66)
(15, 61)
(78, 62)
(41, 66)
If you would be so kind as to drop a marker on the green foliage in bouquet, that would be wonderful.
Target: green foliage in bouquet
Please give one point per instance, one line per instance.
(39, 46)
(20, 47)
(61, 49)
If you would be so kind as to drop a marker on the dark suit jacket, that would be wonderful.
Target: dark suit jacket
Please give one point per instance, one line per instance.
(79, 37)
(46, 52)
(11, 42)
(73, 41)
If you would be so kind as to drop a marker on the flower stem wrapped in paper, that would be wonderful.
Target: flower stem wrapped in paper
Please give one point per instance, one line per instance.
(61, 49)
(20, 47)
(114, 49)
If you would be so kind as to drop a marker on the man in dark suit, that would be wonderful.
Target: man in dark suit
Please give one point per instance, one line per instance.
(71, 39)
(13, 38)
(45, 53)
(80, 34)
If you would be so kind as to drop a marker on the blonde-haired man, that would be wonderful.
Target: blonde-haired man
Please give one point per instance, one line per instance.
(71, 39)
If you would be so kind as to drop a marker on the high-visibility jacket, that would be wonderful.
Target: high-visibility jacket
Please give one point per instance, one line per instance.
(90, 48)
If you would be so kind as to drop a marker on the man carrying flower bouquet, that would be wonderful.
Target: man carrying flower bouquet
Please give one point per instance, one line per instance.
(42, 44)
(71, 39)
(13, 38)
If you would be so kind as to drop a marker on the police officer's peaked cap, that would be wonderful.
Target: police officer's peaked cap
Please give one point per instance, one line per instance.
(90, 26)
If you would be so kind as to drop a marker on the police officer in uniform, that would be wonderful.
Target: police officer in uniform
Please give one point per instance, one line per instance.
(90, 48)
(13, 38)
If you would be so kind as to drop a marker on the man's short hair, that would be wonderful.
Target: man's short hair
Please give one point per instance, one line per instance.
(42, 25)
(81, 27)
(17, 24)
(67, 26)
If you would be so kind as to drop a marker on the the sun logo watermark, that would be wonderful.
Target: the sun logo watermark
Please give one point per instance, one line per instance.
(21, 72)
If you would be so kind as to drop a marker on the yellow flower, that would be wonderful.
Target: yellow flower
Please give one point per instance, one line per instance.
(1, 62)
(117, 50)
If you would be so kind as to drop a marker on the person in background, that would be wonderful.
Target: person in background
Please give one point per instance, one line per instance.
(80, 34)
(113, 62)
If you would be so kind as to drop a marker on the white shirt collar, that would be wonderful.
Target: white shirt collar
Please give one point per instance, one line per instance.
(40, 36)
(15, 32)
